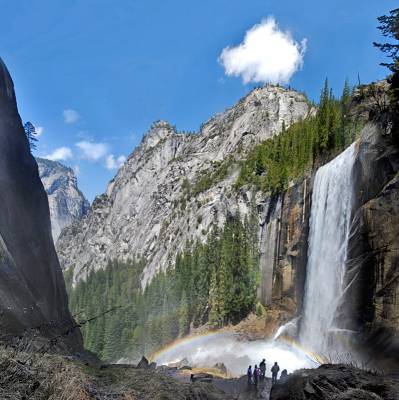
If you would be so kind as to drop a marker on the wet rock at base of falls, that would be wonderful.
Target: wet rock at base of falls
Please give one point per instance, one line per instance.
(338, 382)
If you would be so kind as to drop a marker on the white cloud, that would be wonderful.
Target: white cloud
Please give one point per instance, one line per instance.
(76, 169)
(70, 116)
(84, 135)
(92, 151)
(112, 163)
(62, 153)
(39, 130)
(267, 54)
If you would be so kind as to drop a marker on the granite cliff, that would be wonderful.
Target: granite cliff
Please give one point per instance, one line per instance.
(66, 202)
(33, 301)
(174, 186)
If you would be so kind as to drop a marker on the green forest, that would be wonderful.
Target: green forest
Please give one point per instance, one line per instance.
(271, 165)
(213, 282)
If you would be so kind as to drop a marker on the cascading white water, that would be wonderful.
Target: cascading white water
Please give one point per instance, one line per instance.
(328, 237)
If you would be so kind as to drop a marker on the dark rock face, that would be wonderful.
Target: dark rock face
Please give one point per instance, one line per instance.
(335, 382)
(32, 292)
(283, 243)
(372, 301)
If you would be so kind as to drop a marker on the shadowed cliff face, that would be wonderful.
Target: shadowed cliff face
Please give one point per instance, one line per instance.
(284, 226)
(373, 248)
(32, 291)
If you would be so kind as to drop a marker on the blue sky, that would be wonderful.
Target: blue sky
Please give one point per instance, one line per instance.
(95, 74)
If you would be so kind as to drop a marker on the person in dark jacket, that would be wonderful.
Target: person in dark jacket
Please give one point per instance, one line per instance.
(249, 375)
(262, 367)
(275, 370)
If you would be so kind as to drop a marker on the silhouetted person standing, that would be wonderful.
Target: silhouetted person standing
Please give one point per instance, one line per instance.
(275, 370)
(249, 375)
(256, 375)
(262, 367)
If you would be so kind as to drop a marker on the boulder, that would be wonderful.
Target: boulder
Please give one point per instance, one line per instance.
(180, 364)
(152, 365)
(143, 364)
(201, 377)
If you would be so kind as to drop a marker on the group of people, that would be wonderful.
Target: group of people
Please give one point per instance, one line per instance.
(258, 373)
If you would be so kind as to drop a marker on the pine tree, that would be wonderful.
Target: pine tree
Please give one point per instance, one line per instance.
(345, 118)
(184, 315)
(215, 314)
(324, 116)
(31, 134)
(389, 27)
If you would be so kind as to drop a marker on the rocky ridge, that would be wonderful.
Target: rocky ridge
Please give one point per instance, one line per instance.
(174, 186)
(66, 202)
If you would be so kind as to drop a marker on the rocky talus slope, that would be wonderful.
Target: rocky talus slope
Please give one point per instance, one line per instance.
(66, 202)
(33, 301)
(174, 186)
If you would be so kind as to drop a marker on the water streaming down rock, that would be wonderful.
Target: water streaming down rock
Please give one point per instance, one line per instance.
(328, 237)
(269, 247)
(289, 329)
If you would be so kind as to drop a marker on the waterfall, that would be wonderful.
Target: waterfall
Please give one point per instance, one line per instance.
(328, 237)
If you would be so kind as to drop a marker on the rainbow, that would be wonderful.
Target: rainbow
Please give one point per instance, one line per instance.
(193, 341)
(313, 357)
(178, 342)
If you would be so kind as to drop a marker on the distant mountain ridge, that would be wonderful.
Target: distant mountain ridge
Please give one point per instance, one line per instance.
(174, 186)
(66, 202)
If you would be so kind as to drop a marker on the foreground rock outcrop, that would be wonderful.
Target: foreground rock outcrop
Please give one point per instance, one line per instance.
(336, 382)
(35, 377)
(66, 202)
(33, 301)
